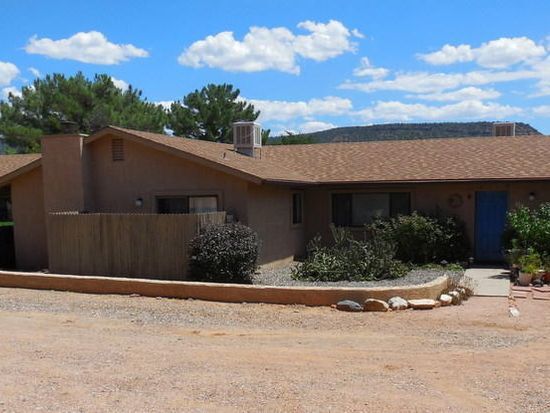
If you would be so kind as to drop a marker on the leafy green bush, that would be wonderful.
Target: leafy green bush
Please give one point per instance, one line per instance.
(423, 239)
(224, 253)
(529, 228)
(349, 260)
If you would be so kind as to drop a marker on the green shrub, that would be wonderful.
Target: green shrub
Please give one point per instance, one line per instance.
(224, 253)
(423, 239)
(349, 260)
(529, 228)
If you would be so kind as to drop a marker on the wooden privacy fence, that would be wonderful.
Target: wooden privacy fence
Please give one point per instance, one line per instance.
(124, 245)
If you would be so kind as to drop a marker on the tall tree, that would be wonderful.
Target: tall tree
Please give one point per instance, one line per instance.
(209, 113)
(90, 104)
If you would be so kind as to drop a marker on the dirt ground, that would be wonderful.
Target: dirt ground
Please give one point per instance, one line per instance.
(75, 352)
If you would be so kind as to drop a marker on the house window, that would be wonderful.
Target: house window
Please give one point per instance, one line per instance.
(357, 209)
(117, 149)
(187, 204)
(297, 208)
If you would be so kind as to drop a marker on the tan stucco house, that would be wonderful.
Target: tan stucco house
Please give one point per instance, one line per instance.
(288, 194)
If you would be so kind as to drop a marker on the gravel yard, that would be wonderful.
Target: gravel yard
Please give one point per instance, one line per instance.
(282, 276)
(68, 352)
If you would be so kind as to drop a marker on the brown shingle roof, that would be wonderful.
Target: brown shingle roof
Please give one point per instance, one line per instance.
(11, 165)
(449, 159)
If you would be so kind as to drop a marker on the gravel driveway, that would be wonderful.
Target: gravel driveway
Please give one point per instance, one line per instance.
(68, 352)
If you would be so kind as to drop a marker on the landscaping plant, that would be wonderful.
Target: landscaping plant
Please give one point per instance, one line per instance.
(529, 228)
(348, 259)
(423, 239)
(224, 253)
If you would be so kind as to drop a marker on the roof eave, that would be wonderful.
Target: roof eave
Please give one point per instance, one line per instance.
(20, 171)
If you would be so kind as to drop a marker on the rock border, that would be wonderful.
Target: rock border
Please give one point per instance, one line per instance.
(232, 293)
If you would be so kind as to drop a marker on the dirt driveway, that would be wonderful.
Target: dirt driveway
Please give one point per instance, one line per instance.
(76, 352)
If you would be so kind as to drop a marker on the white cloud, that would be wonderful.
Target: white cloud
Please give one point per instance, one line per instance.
(13, 90)
(469, 109)
(467, 93)
(263, 48)
(499, 53)
(285, 110)
(543, 110)
(86, 47)
(357, 33)
(35, 72)
(315, 126)
(166, 104)
(424, 82)
(367, 69)
(121, 84)
(542, 68)
(8, 72)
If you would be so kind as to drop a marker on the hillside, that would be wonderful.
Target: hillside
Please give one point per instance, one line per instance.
(399, 131)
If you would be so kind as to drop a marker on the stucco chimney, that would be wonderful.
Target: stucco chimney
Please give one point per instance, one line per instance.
(63, 168)
(247, 138)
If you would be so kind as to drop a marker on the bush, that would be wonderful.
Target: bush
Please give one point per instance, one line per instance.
(224, 253)
(529, 228)
(423, 239)
(349, 260)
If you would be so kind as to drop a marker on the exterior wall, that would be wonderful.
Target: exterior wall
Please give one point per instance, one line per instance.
(269, 214)
(27, 195)
(147, 173)
(426, 198)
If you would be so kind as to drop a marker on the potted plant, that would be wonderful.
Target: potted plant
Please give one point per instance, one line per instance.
(530, 265)
(513, 256)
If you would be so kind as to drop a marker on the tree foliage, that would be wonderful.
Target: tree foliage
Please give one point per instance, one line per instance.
(208, 113)
(90, 104)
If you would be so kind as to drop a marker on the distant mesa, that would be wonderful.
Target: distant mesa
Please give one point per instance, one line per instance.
(403, 131)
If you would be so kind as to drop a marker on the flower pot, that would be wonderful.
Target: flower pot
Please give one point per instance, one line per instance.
(525, 278)
(546, 277)
(538, 275)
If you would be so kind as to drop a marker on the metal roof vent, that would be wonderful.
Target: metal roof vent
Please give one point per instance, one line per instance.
(247, 137)
(504, 129)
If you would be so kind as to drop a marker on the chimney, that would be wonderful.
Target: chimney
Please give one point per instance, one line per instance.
(64, 172)
(504, 129)
(247, 138)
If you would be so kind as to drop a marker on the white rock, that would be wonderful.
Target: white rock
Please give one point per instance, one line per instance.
(423, 304)
(372, 304)
(398, 303)
(445, 300)
(513, 312)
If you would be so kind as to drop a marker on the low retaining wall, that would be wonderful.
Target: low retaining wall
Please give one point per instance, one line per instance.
(232, 293)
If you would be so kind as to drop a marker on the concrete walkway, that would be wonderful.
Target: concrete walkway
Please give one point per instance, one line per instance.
(489, 282)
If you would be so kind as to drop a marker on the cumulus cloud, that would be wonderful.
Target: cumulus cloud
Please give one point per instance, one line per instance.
(121, 84)
(468, 109)
(285, 110)
(13, 90)
(86, 47)
(543, 110)
(367, 69)
(315, 126)
(499, 53)
(8, 72)
(265, 48)
(467, 93)
(425, 82)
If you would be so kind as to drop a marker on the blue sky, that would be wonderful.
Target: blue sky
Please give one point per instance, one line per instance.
(308, 65)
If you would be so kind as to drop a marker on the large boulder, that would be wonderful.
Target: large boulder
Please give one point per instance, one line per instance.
(349, 305)
(398, 303)
(423, 304)
(445, 300)
(372, 304)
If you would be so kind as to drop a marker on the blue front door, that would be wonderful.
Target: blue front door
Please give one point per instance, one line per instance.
(491, 208)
